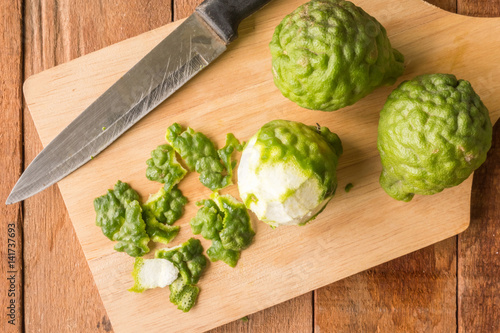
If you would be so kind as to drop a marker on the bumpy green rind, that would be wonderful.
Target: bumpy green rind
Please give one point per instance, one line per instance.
(200, 155)
(183, 295)
(316, 150)
(110, 208)
(118, 213)
(132, 237)
(190, 261)
(188, 258)
(217, 252)
(208, 220)
(434, 131)
(328, 54)
(225, 154)
(160, 211)
(164, 168)
(226, 222)
(237, 233)
(166, 206)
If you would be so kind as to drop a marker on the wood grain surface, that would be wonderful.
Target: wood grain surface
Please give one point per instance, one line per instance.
(11, 159)
(479, 251)
(60, 293)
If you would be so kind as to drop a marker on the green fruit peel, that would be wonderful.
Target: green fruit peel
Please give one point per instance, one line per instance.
(226, 222)
(160, 212)
(183, 295)
(119, 215)
(188, 258)
(190, 261)
(163, 167)
(199, 152)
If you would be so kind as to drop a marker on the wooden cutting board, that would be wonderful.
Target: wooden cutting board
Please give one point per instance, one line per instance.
(358, 230)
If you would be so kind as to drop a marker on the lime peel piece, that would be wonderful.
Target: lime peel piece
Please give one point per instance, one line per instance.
(160, 212)
(226, 222)
(198, 151)
(119, 215)
(163, 167)
(153, 273)
(190, 261)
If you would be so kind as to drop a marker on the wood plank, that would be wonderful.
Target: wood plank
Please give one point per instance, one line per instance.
(184, 8)
(485, 8)
(60, 292)
(350, 235)
(479, 246)
(479, 250)
(414, 293)
(294, 315)
(449, 5)
(11, 227)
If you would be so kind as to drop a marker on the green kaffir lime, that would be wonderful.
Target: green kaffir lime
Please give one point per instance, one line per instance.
(328, 54)
(288, 172)
(434, 131)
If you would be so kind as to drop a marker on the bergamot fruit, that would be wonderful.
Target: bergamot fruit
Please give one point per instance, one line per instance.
(434, 131)
(287, 172)
(329, 54)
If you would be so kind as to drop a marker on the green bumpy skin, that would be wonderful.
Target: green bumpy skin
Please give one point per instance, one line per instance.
(200, 154)
(160, 212)
(190, 261)
(217, 252)
(237, 233)
(226, 222)
(328, 54)
(183, 295)
(226, 153)
(208, 220)
(188, 258)
(433, 132)
(164, 168)
(119, 214)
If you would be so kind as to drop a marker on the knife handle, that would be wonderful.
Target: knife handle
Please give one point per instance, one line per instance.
(224, 16)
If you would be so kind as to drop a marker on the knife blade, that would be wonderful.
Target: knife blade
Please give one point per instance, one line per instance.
(198, 41)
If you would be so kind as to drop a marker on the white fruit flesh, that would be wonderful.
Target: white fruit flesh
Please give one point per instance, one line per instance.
(282, 193)
(157, 273)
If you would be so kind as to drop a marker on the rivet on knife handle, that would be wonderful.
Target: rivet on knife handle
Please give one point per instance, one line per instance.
(224, 16)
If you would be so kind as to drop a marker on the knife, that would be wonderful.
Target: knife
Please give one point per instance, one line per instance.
(198, 41)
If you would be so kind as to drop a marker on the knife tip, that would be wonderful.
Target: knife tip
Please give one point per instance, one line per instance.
(11, 200)
(15, 196)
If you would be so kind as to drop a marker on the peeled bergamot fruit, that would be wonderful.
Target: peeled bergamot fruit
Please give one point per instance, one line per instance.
(434, 131)
(288, 172)
(329, 54)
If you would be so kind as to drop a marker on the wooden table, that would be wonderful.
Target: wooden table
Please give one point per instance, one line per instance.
(450, 286)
